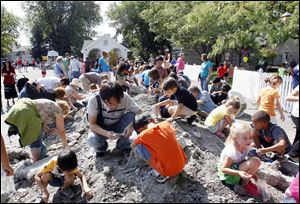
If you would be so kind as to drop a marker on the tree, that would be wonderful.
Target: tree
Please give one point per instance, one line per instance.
(64, 24)
(126, 18)
(9, 31)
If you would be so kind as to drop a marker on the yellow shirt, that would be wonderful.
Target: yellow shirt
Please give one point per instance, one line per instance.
(216, 115)
(268, 96)
(51, 167)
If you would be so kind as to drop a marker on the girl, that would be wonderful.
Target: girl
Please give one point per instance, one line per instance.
(155, 83)
(233, 168)
(222, 116)
(8, 72)
(122, 74)
(269, 96)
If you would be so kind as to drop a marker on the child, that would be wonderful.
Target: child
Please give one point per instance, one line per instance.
(292, 193)
(187, 104)
(242, 102)
(131, 78)
(216, 87)
(205, 104)
(269, 137)
(220, 96)
(43, 68)
(145, 76)
(157, 145)
(282, 71)
(220, 117)
(269, 96)
(233, 168)
(155, 83)
(121, 76)
(61, 172)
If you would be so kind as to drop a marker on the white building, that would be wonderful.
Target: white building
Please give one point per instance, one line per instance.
(22, 51)
(106, 43)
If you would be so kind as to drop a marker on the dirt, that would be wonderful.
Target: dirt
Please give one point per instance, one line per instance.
(111, 182)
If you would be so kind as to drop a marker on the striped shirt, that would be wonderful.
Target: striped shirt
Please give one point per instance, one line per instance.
(127, 104)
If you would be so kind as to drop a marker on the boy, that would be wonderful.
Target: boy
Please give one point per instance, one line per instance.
(187, 104)
(205, 104)
(157, 146)
(269, 137)
(61, 172)
(219, 97)
(216, 87)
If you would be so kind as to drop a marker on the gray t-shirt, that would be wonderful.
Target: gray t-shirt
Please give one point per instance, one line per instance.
(93, 77)
(127, 104)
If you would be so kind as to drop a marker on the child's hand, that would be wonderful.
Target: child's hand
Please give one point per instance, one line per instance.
(89, 194)
(244, 175)
(282, 118)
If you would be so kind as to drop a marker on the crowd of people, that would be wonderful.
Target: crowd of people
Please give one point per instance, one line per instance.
(112, 114)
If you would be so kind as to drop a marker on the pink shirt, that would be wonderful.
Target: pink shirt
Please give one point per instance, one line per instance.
(180, 64)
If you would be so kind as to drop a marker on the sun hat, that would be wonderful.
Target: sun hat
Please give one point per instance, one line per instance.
(75, 82)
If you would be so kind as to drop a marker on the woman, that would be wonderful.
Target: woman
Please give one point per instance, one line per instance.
(8, 72)
(31, 117)
(73, 94)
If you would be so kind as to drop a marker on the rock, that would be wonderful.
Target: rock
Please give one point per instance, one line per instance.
(28, 172)
(55, 147)
(18, 154)
(22, 192)
(250, 200)
(107, 171)
(284, 183)
(71, 144)
(185, 135)
(74, 136)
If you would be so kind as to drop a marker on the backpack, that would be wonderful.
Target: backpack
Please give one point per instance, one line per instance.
(21, 83)
(100, 119)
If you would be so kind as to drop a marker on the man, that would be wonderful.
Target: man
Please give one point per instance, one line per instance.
(91, 78)
(180, 63)
(111, 115)
(205, 72)
(75, 67)
(294, 71)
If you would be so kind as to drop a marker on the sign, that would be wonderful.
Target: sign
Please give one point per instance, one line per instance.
(52, 53)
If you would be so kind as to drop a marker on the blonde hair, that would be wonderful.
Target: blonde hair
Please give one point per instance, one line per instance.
(64, 107)
(233, 101)
(237, 129)
(274, 79)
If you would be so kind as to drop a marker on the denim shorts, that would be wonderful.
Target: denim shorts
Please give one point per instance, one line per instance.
(56, 181)
(142, 151)
(37, 144)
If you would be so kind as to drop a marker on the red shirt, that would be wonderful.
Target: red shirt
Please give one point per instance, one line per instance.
(221, 71)
(19, 61)
(8, 79)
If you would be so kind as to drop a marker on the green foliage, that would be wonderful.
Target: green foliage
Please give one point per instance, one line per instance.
(62, 24)
(126, 18)
(9, 32)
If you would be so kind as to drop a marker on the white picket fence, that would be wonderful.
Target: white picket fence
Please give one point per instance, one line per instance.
(248, 83)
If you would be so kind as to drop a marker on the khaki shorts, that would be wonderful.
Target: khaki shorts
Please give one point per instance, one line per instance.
(185, 112)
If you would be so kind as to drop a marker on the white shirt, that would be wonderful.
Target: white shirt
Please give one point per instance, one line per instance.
(295, 111)
(49, 83)
(231, 152)
(75, 65)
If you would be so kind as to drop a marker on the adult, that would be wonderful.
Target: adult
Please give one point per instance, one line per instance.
(72, 91)
(4, 159)
(30, 117)
(91, 78)
(59, 68)
(163, 72)
(151, 60)
(19, 64)
(8, 72)
(222, 69)
(87, 65)
(111, 114)
(294, 71)
(294, 97)
(75, 67)
(104, 64)
(33, 63)
(205, 72)
(180, 63)
(66, 62)
(50, 83)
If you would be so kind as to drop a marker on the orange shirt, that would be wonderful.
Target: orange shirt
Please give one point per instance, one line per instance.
(167, 156)
(267, 103)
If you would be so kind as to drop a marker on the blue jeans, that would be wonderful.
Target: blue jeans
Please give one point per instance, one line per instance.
(203, 84)
(99, 143)
(76, 74)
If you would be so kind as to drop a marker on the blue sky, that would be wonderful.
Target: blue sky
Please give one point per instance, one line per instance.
(16, 8)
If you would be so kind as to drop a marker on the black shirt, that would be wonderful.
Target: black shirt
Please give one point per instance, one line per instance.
(186, 98)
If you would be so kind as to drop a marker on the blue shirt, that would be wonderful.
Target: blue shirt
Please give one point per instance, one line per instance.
(104, 67)
(204, 69)
(145, 78)
(295, 82)
(208, 104)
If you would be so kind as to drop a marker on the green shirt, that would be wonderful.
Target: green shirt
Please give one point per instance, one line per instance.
(282, 71)
(66, 64)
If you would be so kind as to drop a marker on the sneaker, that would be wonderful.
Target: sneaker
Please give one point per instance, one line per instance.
(252, 189)
(191, 119)
(159, 178)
